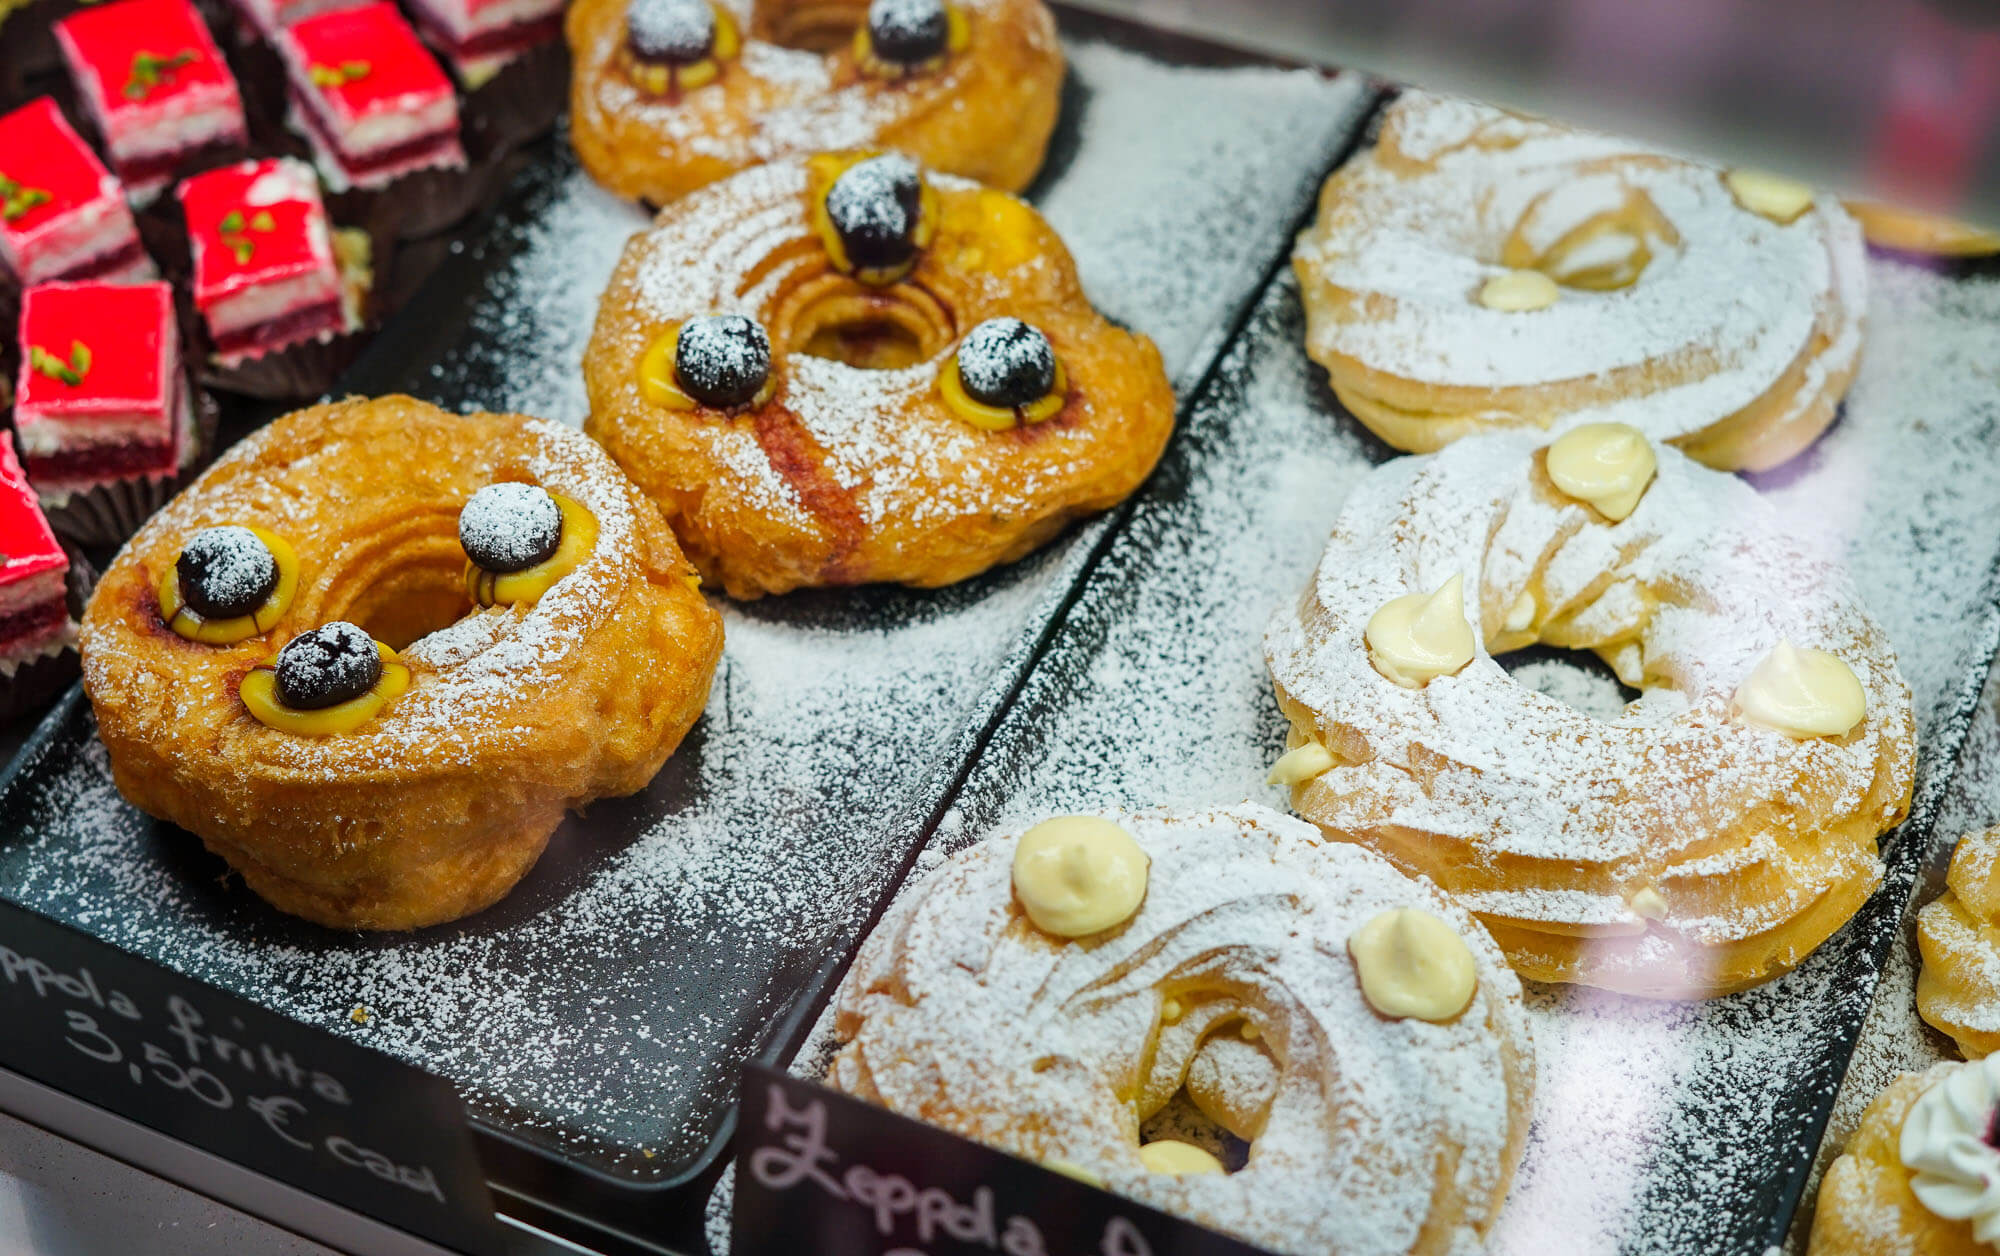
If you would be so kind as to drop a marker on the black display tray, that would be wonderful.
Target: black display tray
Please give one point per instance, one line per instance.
(595, 1021)
(1659, 1127)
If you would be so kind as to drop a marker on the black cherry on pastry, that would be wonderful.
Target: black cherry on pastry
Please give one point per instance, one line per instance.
(722, 361)
(328, 681)
(227, 584)
(878, 215)
(519, 540)
(675, 45)
(1004, 374)
(908, 37)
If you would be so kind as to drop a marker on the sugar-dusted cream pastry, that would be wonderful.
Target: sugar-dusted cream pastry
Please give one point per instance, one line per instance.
(1921, 1175)
(845, 369)
(671, 95)
(1477, 269)
(374, 654)
(1958, 990)
(1354, 1026)
(1707, 838)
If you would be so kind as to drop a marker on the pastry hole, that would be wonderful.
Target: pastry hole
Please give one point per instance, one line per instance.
(871, 329)
(408, 583)
(1576, 678)
(810, 27)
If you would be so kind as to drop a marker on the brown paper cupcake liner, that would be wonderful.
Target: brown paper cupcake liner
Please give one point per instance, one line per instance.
(106, 514)
(518, 104)
(298, 373)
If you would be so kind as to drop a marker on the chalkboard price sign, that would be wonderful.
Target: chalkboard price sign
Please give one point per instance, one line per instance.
(202, 1065)
(820, 1172)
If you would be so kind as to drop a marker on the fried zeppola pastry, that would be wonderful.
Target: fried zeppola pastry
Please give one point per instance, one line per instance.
(840, 370)
(1958, 990)
(1478, 269)
(1048, 992)
(377, 650)
(671, 95)
(1706, 839)
(1916, 1179)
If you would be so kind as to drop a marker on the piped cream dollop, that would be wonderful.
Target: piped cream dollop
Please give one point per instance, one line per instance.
(1607, 465)
(1802, 692)
(1077, 875)
(1780, 199)
(1300, 763)
(1413, 964)
(1519, 291)
(1171, 1156)
(1954, 1171)
(1420, 636)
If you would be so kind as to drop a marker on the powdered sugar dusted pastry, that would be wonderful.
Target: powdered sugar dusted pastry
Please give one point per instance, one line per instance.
(973, 1006)
(1958, 990)
(1921, 1175)
(1478, 269)
(374, 654)
(1705, 840)
(841, 370)
(669, 95)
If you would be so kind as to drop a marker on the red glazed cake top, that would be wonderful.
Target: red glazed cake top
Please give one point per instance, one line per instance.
(46, 170)
(254, 223)
(97, 348)
(27, 546)
(140, 54)
(366, 61)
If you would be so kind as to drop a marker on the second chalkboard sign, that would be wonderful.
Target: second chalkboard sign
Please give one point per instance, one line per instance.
(819, 1172)
(273, 1095)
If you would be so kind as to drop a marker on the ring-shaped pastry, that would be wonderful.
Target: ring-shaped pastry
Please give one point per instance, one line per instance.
(1627, 249)
(855, 464)
(436, 801)
(1683, 848)
(961, 1011)
(1958, 933)
(983, 108)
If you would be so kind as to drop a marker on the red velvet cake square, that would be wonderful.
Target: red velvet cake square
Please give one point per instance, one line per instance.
(156, 85)
(34, 595)
(265, 274)
(101, 395)
(369, 96)
(478, 37)
(62, 215)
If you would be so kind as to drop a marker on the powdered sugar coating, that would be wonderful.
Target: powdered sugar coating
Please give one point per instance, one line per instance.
(1005, 362)
(1690, 591)
(907, 31)
(327, 665)
(225, 571)
(674, 31)
(960, 1011)
(510, 526)
(1419, 226)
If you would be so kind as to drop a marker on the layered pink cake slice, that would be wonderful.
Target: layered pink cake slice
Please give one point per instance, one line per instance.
(155, 84)
(62, 215)
(268, 17)
(34, 594)
(478, 37)
(102, 395)
(369, 96)
(265, 273)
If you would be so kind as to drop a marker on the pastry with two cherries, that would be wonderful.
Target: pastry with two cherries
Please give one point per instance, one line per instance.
(847, 369)
(671, 95)
(375, 653)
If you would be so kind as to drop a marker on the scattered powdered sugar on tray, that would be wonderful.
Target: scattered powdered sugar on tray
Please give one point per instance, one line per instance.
(1692, 1117)
(603, 1009)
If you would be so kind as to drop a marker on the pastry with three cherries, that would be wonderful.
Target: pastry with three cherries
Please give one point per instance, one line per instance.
(1706, 838)
(1479, 270)
(671, 95)
(1214, 1012)
(374, 654)
(846, 369)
